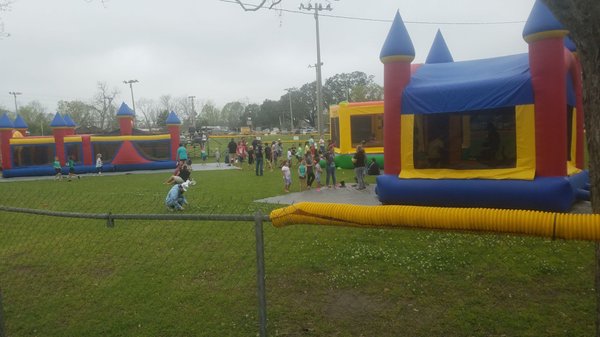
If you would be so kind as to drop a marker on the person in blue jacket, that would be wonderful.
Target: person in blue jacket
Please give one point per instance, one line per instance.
(175, 198)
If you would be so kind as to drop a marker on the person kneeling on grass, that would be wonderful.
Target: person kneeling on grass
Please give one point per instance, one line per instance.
(175, 198)
(184, 175)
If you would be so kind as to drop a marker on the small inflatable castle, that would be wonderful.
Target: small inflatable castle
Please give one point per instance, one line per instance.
(505, 132)
(125, 151)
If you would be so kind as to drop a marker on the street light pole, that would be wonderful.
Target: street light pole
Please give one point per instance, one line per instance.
(131, 82)
(15, 93)
(289, 90)
(318, 7)
(193, 112)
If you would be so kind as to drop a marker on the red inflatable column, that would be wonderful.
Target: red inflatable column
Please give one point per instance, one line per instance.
(396, 55)
(545, 34)
(59, 128)
(86, 145)
(396, 77)
(174, 132)
(548, 76)
(126, 117)
(126, 125)
(174, 125)
(5, 136)
(59, 143)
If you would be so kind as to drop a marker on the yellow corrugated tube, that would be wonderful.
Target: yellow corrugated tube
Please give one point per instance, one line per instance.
(534, 223)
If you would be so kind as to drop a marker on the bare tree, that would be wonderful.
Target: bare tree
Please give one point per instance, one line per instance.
(4, 6)
(165, 102)
(150, 110)
(103, 104)
(254, 8)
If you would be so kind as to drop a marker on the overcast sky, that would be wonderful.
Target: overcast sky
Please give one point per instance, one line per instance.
(212, 49)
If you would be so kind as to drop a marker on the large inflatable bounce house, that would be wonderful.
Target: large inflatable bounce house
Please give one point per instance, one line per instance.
(352, 124)
(126, 149)
(505, 132)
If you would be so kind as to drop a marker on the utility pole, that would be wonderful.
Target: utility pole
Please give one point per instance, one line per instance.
(15, 93)
(289, 90)
(317, 8)
(193, 112)
(131, 82)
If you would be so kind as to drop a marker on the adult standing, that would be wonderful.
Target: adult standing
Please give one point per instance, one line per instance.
(330, 160)
(182, 157)
(321, 145)
(231, 148)
(310, 172)
(258, 153)
(269, 156)
(359, 161)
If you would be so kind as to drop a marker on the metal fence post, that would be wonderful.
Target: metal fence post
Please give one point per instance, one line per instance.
(2, 332)
(260, 274)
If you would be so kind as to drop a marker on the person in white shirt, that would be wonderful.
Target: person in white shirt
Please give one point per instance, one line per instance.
(287, 176)
(99, 163)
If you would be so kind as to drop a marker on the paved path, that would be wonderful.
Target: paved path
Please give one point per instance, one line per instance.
(345, 195)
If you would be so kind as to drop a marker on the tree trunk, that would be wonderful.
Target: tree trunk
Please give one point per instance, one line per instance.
(580, 17)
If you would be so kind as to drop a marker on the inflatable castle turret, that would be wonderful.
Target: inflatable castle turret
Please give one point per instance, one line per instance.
(6, 130)
(439, 52)
(20, 125)
(69, 125)
(503, 132)
(545, 36)
(396, 55)
(59, 131)
(126, 118)
(174, 125)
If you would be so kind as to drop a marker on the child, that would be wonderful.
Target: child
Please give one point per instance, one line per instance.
(57, 169)
(203, 155)
(373, 169)
(318, 171)
(218, 157)
(175, 199)
(99, 164)
(302, 174)
(71, 166)
(287, 176)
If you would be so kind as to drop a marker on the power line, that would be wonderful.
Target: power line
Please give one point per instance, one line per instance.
(385, 20)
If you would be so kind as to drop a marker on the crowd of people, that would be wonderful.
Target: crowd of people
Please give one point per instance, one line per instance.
(306, 156)
(307, 160)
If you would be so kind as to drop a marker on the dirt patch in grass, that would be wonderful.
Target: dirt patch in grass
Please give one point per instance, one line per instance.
(352, 306)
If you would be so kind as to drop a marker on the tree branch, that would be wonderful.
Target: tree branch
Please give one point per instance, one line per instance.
(257, 7)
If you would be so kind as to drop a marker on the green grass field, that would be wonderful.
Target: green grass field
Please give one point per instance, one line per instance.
(71, 277)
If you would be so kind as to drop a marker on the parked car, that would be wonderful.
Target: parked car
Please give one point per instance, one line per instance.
(308, 130)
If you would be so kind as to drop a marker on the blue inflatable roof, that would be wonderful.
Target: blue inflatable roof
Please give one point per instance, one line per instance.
(58, 121)
(173, 119)
(472, 85)
(397, 42)
(469, 85)
(5, 122)
(68, 121)
(439, 52)
(20, 123)
(540, 20)
(124, 110)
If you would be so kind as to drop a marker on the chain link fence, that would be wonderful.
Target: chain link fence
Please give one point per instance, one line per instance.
(113, 261)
